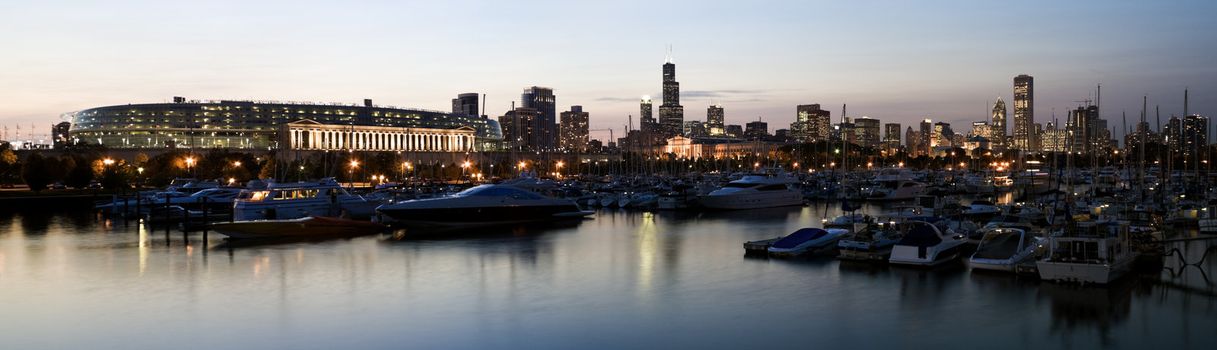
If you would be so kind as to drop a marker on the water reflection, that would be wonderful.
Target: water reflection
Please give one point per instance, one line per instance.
(638, 279)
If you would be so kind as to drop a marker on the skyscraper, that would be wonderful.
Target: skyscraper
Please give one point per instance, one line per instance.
(1193, 136)
(714, 121)
(868, 131)
(891, 136)
(923, 143)
(521, 129)
(1024, 113)
(573, 130)
(997, 128)
(671, 113)
(466, 103)
(811, 123)
(756, 130)
(542, 99)
(646, 119)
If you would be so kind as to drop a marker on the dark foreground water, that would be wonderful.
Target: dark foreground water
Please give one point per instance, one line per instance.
(622, 280)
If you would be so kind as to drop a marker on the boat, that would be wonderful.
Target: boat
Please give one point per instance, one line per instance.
(483, 205)
(851, 222)
(806, 241)
(309, 226)
(981, 208)
(753, 192)
(873, 243)
(1208, 218)
(297, 200)
(1003, 249)
(926, 244)
(1088, 252)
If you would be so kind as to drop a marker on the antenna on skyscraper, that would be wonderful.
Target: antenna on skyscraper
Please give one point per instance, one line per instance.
(667, 58)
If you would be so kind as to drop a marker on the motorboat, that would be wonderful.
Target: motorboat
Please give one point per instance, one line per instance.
(483, 205)
(851, 222)
(873, 243)
(309, 226)
(297, 200)
(1088, 252)
(1003, 249)
(981, 208)
(753, 192)
(926, 244)
(212, 198)
(806, 241)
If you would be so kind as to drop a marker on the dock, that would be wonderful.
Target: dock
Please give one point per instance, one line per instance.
(760, 247)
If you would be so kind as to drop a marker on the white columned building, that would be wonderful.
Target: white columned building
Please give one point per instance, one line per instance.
(309, 135)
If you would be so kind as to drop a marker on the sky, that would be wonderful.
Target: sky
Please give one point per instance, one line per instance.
(898, 61)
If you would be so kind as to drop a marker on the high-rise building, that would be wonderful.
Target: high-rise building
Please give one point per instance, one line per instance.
(756, 130)
(694, 128)
(1089, 132)
(942, 136)
(867, 129)
(912, 141)
(522, 129)
(997, 126)
(466, 103)
(1054, 139)
(1024, 113)
(982, 129)
(573, 130)
(671, 113)
(735, 130)
(714, 121)
(542, 99)
(1173, 133)
(924, 147)
(1193, 136)
(891, 136)
(811, 123)
(646, 119)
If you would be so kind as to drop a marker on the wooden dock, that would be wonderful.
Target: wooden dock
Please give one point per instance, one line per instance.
(760, 247)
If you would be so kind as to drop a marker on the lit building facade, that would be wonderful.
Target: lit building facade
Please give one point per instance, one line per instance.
(252, 124)
(543, 100)
(997, 126)
(309, 135)
(671, 113)
(867, 130)
(891, 136)
(714, 121)
(573, 130)
(1024, 113)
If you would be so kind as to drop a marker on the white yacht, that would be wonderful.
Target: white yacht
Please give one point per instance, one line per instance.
(752, 192)
(483, 205)
(1003, 249)
(297, 200)
(926, 244)
(1088, 252)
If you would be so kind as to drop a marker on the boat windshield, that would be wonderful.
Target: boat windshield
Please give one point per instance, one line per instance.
(739, 185)
(498, 191)
(1001, 244)
(921, 234)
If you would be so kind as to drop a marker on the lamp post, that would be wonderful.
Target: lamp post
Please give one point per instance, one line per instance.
(351, 175)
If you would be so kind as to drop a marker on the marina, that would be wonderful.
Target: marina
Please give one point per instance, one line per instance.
(640, 279)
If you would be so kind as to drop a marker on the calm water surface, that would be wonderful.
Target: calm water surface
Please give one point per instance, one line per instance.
(622, 280)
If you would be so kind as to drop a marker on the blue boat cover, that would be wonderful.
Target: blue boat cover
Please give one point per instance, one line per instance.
(799, 237)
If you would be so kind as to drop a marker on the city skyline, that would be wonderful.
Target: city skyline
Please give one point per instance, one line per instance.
(888, 72)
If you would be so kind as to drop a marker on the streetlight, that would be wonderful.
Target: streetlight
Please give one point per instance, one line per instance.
(236, 163)
(107, 161)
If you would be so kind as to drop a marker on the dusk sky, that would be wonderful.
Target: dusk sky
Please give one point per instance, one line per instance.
(899, 61)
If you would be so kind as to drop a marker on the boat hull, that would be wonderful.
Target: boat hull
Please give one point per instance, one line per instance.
(752, 200)
(1083, 273)
(297, 228)
(480, 216)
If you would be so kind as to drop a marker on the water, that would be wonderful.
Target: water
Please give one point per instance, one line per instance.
(622, 280)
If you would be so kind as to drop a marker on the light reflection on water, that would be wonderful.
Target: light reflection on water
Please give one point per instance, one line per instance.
(636, 280)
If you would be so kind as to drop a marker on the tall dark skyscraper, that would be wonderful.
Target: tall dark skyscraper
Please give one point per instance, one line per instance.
(1193, 137)
(542, 99)
(466, 103)
(1024, 113)
(756, 130)
(891, 136)
(997, 127)
(646, 118)
(714, 121)
(671, 113)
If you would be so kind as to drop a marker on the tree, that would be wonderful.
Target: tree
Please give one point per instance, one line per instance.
(8, 163)
(35, 173)
(79, 172)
